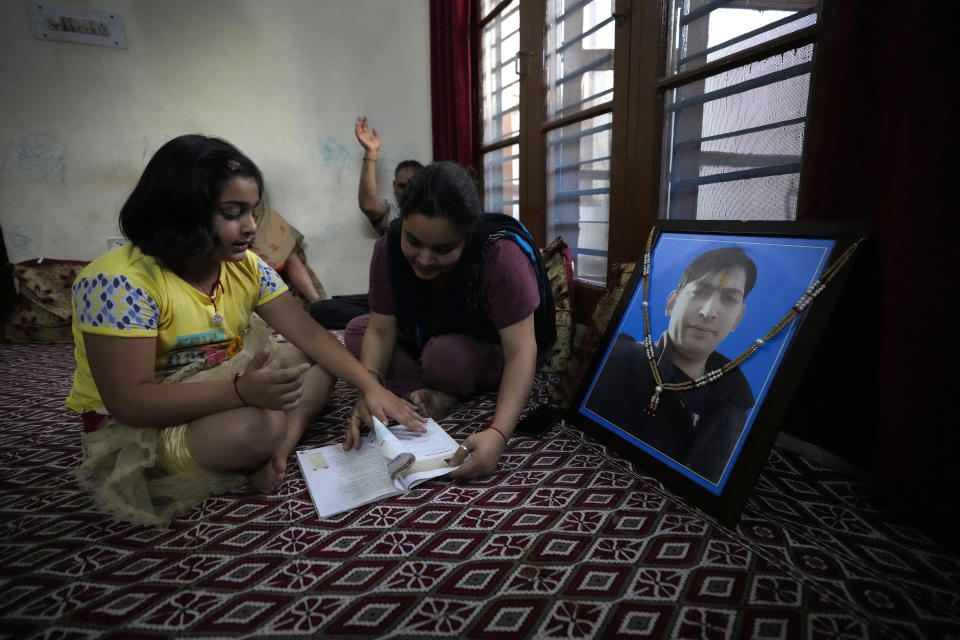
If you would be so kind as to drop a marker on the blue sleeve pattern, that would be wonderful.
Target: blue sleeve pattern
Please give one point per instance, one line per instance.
(270, 281)
(112, 301)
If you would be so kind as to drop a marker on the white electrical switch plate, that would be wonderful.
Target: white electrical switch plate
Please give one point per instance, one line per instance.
(66, 23)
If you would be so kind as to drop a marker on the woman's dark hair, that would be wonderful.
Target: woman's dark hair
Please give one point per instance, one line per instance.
(169, 214)
(443, 189)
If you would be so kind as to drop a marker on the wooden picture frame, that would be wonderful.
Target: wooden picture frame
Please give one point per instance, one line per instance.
(708, 444)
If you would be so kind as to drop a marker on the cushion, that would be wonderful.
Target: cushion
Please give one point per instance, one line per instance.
(566, 387)
(275, 241)
(559, 268)
(44, 307)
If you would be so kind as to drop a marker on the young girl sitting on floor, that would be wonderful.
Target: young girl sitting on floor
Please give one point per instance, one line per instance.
(181, 391)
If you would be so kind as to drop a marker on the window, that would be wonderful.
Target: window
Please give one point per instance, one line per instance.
(500, 111)
(592, 129)
(578, 90)
(733, 137)
(578, 192)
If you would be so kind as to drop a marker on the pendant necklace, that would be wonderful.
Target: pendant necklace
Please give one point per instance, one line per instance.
(217, 289)
(711, 376)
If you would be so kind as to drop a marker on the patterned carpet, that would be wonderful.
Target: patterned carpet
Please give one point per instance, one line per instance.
(565, 541)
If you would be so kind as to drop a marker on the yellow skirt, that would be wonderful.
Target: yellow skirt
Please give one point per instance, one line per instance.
(127, 470)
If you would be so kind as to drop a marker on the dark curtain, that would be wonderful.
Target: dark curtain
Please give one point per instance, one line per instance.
(450, 84)
(882, 136)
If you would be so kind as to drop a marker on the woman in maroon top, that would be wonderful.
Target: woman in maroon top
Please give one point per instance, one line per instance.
(460, 304)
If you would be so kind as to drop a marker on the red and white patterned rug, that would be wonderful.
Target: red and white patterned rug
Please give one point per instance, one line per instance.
(566, 540)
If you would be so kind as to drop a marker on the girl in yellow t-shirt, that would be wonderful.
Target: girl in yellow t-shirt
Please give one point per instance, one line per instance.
(181, 391)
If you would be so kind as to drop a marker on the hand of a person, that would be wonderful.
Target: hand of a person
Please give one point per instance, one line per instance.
(369, 138)
(383, 404)
(271, 388)
(477, 456)
(358, 424)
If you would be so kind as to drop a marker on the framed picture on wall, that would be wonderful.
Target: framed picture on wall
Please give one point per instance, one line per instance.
(701, 357)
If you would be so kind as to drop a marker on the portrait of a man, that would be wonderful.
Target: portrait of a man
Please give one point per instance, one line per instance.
(698, 429)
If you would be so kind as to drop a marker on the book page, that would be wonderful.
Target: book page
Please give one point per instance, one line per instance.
(340, 480)
(429, 451)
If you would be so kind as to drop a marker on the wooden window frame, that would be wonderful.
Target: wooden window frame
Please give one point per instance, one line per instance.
(637, 108)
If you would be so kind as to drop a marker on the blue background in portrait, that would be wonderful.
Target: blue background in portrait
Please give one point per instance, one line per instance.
(785, 268)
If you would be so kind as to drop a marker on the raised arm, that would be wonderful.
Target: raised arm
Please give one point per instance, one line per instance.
(373, 208)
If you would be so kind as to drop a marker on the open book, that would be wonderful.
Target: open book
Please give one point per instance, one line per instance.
(392, 460)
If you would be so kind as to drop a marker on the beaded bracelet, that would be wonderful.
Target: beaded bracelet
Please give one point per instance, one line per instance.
(236, 388)
(490, 426)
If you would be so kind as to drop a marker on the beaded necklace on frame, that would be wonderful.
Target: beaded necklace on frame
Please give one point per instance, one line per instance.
(711, 376)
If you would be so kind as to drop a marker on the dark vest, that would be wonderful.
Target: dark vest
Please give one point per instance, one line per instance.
(424, 311)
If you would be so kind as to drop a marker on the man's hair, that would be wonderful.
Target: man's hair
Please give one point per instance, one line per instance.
(407, 164)
(443, 189)
(720, 260)
(169, 214)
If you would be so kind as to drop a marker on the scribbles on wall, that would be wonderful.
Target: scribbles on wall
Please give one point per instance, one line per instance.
(333, 155)
(41, 157)
(18, 238)
(31, 238)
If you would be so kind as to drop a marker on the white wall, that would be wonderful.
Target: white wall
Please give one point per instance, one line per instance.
(282, 79)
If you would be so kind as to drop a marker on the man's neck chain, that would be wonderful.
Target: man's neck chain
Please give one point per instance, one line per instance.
(712, 376)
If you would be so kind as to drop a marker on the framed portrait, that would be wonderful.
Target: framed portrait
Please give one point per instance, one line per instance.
(688, 382)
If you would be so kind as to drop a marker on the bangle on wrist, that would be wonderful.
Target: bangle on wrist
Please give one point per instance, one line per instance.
(366, 159)
(236, 387)
(490, 426)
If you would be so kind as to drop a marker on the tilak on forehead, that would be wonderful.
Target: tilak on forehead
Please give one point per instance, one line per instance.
(723, 280)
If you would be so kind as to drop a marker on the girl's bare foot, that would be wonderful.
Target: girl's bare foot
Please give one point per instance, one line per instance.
(432, 403)
(270, 476)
